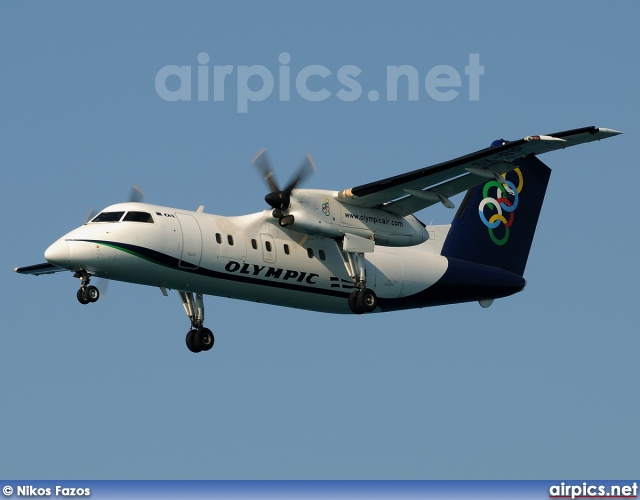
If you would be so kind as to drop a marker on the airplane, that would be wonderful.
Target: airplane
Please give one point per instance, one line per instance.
(359, 250)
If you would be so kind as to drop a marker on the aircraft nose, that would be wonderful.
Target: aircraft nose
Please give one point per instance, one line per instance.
(58, 253)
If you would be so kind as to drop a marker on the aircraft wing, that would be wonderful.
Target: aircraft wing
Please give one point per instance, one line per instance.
(39, 269)
(407, 193)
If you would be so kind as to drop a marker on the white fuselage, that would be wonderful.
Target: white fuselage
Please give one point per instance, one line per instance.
(245, 257)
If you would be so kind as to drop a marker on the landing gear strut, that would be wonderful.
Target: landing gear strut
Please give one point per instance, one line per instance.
(86, 293)
(198, 337)
(362, 299)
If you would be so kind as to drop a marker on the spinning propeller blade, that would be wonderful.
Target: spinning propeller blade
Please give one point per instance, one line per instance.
(306, 168)
(277, 198)
(90, 215)
(137, 194)
(262, 162)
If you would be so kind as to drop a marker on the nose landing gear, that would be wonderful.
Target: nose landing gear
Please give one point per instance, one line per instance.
(86, 293)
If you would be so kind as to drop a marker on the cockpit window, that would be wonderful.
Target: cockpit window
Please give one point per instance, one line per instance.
(138, 217)
(108, 217)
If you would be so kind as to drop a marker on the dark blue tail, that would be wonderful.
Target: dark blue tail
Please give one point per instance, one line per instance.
(495, 223)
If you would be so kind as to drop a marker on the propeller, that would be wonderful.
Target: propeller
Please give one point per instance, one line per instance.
(136, 194)
(280, 199)
(90, 215)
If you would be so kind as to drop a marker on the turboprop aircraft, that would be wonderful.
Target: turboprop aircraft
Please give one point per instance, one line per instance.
(358, 250)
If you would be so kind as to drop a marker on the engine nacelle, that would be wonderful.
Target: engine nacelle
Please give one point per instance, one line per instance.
(320, 214)
(388, 229)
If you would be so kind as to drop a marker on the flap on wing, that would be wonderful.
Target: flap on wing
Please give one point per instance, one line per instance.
(39, 269)
(439, 182)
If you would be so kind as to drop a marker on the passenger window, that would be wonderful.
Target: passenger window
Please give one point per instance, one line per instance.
(218, 238)
(286, 249)
(310, 252)
(230, 239)
(254, 244)
(108, 217)
(138, 217)
(322, 255)
(267, 246)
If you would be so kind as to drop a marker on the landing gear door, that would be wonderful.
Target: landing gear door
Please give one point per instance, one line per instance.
(191, 241)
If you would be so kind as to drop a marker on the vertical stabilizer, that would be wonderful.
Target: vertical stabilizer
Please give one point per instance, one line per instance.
(496, 222)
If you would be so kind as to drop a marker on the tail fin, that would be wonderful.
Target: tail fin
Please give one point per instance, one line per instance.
(495, 223)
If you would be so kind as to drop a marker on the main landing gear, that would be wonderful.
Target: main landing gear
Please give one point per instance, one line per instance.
(362, 299)
(198, 338)
(86, 293)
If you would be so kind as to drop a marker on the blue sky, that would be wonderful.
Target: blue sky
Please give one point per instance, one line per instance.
(541, 385)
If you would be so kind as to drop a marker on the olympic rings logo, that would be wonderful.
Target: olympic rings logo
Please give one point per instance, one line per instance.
(326, 208)
(504, 203)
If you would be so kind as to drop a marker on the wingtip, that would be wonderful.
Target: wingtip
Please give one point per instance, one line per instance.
(609, 131)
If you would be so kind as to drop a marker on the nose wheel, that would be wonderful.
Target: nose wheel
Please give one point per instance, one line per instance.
(87, 293)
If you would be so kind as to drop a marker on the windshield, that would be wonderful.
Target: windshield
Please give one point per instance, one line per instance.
(131, 216)
(138, 217)
(108, 217)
